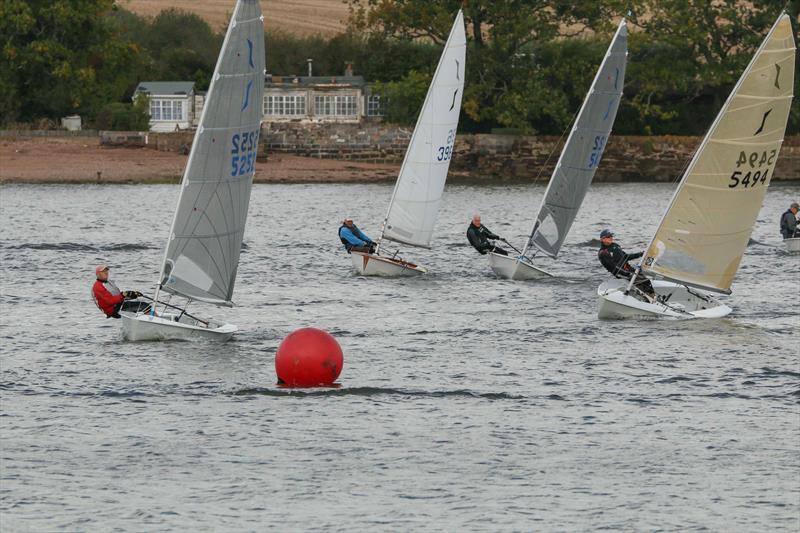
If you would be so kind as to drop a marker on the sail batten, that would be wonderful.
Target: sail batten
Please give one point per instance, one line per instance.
(414, 206)
(202, 254)
(582, 151)
(724, 185)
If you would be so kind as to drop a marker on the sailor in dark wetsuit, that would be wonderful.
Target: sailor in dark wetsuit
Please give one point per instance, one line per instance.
(479, 236)
(614, 258)
(789, 227)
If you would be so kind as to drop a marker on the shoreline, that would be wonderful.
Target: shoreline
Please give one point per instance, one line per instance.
(83, 160)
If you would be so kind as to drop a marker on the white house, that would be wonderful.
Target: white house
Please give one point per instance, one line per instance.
(345, 98)
(172, 104)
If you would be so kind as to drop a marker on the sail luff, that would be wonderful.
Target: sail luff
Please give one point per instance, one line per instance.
(413, 205)
(703, 233)
(569, 181)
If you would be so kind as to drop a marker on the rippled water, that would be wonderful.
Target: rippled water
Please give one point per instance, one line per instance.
(466, 403)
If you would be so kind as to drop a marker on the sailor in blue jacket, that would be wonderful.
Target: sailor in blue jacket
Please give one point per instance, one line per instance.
(355, 239)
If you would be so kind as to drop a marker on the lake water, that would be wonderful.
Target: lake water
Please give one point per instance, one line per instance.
(466, 403)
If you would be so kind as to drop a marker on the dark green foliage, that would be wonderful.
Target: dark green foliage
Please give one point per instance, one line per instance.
(529, 63)
(60, 57)
(120, 116)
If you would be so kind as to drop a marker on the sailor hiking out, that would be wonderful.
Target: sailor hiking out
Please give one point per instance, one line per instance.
(479, 237)
(789, 226)
(616, 261)
(354, 239)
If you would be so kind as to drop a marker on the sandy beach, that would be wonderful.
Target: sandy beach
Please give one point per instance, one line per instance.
(83, 160)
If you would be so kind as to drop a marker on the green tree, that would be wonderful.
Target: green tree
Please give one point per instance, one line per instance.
(61, 57)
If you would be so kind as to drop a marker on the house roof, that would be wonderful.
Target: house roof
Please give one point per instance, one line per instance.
(308, 81)
(163, 88)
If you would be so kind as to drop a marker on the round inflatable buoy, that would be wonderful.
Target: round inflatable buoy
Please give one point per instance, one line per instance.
(308, 357)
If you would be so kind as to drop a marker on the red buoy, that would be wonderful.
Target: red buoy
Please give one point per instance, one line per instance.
(308, 357)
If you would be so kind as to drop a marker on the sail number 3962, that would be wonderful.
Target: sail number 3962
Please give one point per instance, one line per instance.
(755, 168)
(243, 152)
(444, 153)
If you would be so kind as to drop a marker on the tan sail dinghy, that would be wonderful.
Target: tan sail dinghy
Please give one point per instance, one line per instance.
(699, 243)
(202, 252)
(415, 201)
(575, 168)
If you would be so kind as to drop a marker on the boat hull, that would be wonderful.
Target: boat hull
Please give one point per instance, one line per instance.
(379, 265)
(792, 245)
(144, 327)
(510, 267)
(680, 302)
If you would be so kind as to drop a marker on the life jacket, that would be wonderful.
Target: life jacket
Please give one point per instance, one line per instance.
(354, 230)
(106, 296)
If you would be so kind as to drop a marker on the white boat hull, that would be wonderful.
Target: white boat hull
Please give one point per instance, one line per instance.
(165, 326)
(679, 302)
(379, 265)
(792, 245)
(516, 268)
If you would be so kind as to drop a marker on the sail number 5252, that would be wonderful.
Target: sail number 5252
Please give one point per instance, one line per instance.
(243, 152)
(756, 167)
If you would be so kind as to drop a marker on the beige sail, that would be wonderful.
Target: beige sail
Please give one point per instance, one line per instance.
(704, 233)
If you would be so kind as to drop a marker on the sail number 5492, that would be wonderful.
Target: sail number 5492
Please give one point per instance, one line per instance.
(756, 167)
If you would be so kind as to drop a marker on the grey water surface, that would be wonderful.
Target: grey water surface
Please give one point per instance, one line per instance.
(466, 403)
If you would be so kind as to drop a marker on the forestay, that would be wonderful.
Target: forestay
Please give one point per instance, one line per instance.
(202, 254)
(703, 235)
(415, 202)
(583, 150)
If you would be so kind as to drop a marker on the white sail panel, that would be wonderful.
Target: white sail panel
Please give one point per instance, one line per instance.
(202, 254)
(583, 150)
(704, 233)
(415, 202)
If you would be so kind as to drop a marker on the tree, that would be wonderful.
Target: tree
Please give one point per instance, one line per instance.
(61, 57)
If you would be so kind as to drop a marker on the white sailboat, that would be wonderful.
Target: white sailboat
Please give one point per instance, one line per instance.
(414, 205)
(575, 168)
(202, 253)
(699, 243)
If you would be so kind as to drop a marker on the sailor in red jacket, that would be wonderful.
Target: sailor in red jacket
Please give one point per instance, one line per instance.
(108, 297)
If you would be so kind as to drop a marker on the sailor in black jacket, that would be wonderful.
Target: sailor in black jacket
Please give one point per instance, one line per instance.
(479, 236)
(614, 258)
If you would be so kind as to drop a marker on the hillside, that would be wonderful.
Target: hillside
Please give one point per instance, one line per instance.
(299, 17)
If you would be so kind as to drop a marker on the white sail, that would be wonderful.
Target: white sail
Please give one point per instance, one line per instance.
(202, 255)
(583, 150)
(702, 236)
(415, 202)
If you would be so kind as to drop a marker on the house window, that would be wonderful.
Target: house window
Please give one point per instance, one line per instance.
(166, 109)
(291, 105)
(374, 106)
(340, 106)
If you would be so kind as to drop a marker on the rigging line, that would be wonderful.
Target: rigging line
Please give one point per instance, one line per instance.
(558, 143)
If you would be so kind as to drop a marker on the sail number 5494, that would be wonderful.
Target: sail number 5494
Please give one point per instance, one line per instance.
(756, 167)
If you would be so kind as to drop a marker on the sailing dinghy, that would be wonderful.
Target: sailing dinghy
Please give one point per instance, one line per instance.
(417, 194)
(699, 243)
(202, 252)
(575, 168)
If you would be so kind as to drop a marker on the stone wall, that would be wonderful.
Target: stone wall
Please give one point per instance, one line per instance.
(504, 157)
